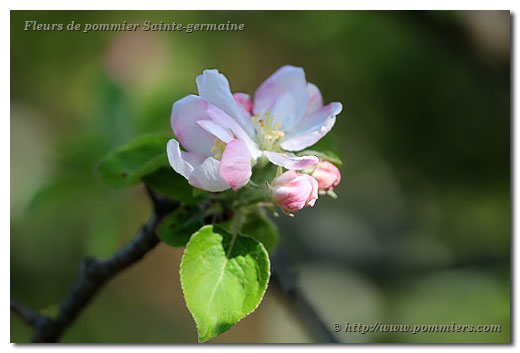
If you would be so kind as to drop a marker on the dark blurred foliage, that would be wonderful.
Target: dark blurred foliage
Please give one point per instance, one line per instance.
(420, 233)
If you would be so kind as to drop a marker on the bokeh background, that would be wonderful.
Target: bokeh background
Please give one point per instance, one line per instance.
(420, 233)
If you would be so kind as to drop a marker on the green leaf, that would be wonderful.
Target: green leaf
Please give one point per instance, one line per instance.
(126, 165)
(220, 290)
(263, 172)
(327, 148)
(177, 228)
(257, 225)
(328, 142)
(170, 183)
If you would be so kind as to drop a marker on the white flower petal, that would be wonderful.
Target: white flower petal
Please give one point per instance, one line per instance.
(214, 88)
(288, 80)
(192, 158)
(215, 129)
(179, 164)
(284, 111)
(291, 162)
(312, 128)
(301, 142)
(207, 176)
(315, 101)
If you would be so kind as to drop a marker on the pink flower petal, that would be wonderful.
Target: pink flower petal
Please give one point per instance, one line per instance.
(288, 81)
(327, 175)
(313, 196)
(291, 162)
(235, 166)
(293, 191)
(244, 101)
(185, 114)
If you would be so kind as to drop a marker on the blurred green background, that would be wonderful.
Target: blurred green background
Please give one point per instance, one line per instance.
(420, 233)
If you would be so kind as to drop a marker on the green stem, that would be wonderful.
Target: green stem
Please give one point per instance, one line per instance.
(212, 210)
(254, 202)
(279, 171)
(237, 222)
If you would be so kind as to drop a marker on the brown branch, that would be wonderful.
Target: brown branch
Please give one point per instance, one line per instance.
(28, 316)
(94, 273)
(286, 279)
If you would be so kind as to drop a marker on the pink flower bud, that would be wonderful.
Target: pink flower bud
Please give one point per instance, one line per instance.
(293, 191)
(327, 175)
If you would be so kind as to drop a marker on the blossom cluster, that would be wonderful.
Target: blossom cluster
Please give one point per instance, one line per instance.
(224, 135)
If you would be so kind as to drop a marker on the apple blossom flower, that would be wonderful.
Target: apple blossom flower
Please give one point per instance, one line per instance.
(224, 134)
(293, 191)
(209, 163)
(327, 175)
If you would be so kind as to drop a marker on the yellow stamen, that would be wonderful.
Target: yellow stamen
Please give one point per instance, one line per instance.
(268, 132)
(214, 149)
(218, 148)
(275, 135)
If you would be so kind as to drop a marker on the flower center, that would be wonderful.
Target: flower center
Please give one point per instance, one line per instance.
(218, 148)
(268, 135)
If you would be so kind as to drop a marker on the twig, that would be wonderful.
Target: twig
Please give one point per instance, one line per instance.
(286, 280)
(94, 273)
(30, 317)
